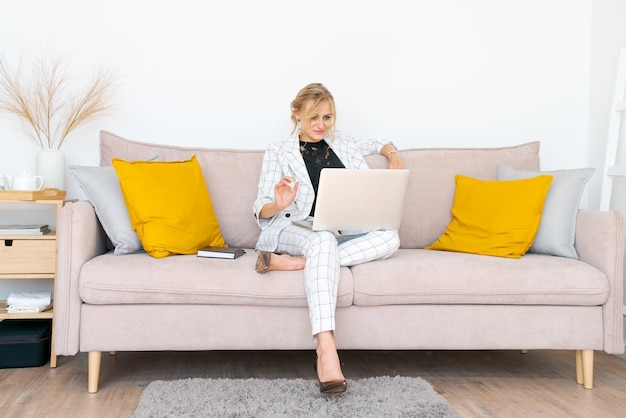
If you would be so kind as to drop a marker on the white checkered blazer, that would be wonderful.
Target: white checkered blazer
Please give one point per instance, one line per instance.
(284, 159)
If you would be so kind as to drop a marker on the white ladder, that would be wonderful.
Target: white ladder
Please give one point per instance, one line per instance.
(619, 107)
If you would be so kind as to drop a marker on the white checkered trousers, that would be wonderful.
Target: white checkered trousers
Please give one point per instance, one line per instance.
(324, 255)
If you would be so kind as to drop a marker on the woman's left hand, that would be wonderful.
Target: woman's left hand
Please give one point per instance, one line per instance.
(394, 161)
(393, 157)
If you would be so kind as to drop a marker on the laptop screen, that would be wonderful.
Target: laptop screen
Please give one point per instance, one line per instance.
(353, 199)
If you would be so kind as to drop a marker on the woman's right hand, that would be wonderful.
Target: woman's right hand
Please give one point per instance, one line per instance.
(285, 192)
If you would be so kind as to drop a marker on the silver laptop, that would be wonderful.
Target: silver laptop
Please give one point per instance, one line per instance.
(353, 200)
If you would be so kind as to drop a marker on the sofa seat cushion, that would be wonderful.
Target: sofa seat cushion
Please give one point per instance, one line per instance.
(187, 279)
(414, 276)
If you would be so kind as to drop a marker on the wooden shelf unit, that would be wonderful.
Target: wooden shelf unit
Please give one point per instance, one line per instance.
(14, 267)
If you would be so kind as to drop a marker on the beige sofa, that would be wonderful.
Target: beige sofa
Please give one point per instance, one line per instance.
(417, 299)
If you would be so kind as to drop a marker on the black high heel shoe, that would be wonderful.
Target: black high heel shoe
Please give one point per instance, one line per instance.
(332, 386)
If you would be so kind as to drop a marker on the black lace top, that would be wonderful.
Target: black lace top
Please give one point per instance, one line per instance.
(318, 155)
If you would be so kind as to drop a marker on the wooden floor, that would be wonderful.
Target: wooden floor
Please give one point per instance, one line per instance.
(476, 383)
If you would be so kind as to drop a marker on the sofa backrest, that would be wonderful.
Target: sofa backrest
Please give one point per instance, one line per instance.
(232, 177)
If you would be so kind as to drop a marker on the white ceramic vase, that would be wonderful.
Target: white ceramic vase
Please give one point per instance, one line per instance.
(51, 166)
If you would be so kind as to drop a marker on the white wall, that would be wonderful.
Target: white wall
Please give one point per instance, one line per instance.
(424, 74)
(608, 35)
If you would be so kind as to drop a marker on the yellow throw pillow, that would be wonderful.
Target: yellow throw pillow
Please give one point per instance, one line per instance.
(169, 206)
(494, 217)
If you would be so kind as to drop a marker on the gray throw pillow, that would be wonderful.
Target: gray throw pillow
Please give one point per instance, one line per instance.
(557, 230)
(102, 188)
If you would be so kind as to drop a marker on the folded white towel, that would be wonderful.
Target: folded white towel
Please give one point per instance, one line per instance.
(27, 308)
(29, 298)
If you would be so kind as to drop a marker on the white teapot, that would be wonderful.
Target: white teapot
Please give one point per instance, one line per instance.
(23, 182)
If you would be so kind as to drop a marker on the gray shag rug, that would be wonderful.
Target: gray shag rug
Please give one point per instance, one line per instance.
(371, 397)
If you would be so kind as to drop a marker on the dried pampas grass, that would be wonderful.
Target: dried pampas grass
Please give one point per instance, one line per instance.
(46, 100)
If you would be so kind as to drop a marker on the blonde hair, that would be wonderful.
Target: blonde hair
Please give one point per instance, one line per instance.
(317, 94)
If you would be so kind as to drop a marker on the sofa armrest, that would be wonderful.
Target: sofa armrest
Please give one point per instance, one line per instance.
(600, 243)
(80, 238)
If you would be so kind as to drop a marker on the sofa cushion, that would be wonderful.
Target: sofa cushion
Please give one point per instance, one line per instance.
(494, 217)
(557, 229)
(187, 279)
(427, 204)
(430, 191)
(232, 194)
(102, 188)
(439, 277)
(169, 206)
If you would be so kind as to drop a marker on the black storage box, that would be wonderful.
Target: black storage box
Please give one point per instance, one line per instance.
(24, 342)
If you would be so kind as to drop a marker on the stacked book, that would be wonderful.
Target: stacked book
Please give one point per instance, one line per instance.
(220, 252)
(21, 229)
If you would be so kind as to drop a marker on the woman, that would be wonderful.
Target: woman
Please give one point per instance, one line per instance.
(287, 189)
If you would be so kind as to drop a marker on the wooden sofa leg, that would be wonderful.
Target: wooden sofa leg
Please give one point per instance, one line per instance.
(584, 368)
(579, 367)
(94, 371)
(588, 369)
